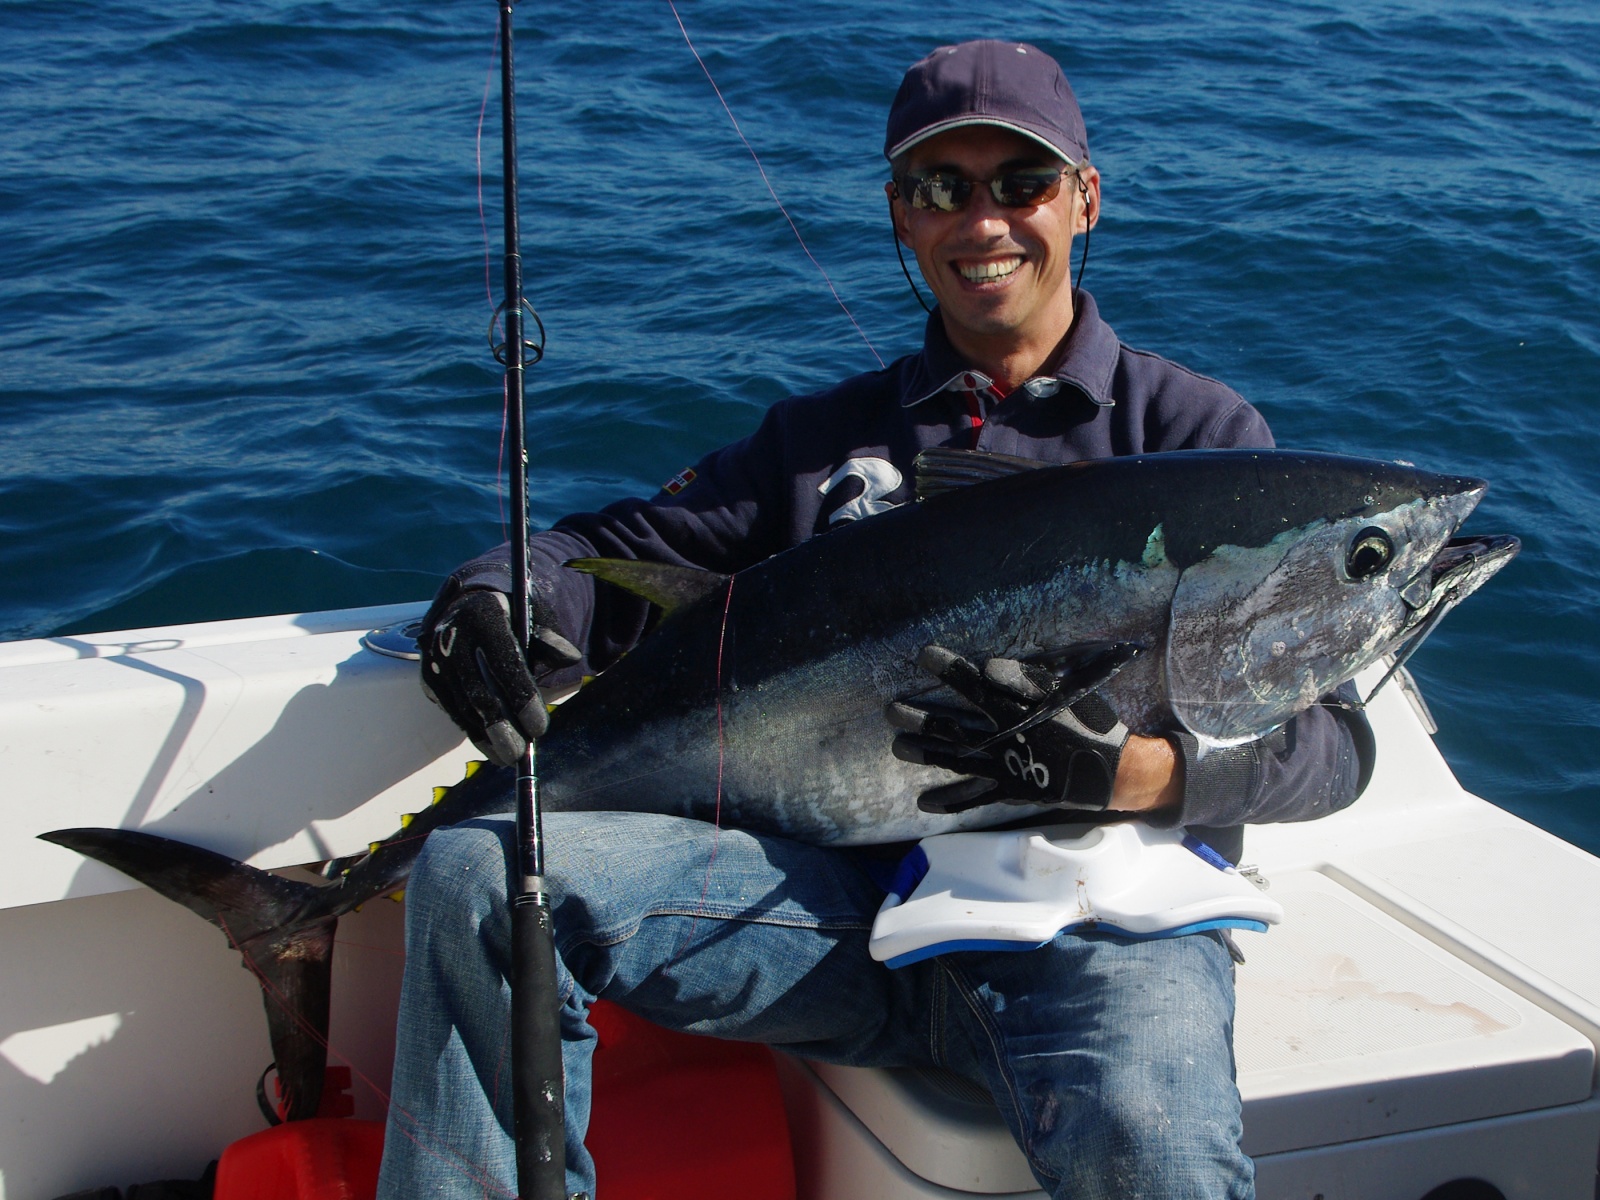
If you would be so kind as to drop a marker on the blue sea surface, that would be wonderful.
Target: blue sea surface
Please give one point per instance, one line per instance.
(243, 297)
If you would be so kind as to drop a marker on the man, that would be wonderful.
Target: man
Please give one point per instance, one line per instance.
(1111, 1059)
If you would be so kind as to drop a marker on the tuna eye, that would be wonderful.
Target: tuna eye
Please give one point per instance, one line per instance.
(1369, 554)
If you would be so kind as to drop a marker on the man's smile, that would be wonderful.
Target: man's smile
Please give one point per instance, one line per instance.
(988, 271)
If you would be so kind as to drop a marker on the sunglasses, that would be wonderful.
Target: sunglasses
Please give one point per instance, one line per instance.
(945, 191)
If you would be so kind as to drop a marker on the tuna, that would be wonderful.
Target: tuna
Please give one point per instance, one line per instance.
(1252, 583)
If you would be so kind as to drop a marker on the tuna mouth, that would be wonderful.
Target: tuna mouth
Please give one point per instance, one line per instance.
(1462, 566)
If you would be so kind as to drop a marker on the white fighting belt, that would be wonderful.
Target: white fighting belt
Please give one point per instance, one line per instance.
(1015, 890)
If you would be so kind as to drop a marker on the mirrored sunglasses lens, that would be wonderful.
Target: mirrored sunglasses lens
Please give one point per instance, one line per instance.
(947, 193)
(1026, 189)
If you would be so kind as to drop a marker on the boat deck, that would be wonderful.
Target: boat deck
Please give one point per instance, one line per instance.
(1428, 1011)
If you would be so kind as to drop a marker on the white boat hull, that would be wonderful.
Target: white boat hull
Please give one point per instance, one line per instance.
(1429, 1010)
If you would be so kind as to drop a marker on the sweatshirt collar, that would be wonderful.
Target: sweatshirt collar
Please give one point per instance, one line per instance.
(1087, 364)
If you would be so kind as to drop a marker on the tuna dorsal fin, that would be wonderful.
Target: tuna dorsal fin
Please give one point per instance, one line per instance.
(944, 469)
(663, 584)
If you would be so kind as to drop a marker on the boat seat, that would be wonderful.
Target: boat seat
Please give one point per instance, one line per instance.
(1373, 1063)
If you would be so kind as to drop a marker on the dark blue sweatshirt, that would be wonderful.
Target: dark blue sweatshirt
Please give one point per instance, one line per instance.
(847, 452)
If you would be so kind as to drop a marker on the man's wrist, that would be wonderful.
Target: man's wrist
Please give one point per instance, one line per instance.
(1150, 776)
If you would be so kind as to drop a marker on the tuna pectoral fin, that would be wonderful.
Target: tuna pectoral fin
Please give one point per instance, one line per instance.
(278, 925)
(663, 584)
(1079, 669)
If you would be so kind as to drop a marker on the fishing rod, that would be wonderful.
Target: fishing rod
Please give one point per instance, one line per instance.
(538, 1094)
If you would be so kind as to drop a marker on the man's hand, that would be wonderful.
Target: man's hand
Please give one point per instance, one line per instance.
(473, 669)
(1069, 759)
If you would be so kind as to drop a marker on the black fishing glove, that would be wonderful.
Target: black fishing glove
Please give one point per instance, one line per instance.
(1069, 758)
(473, 669)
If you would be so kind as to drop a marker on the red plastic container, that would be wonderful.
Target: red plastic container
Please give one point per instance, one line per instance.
(324, 1158)
(675, 1117)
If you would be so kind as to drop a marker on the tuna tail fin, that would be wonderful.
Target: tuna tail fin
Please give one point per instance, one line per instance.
(281, 927)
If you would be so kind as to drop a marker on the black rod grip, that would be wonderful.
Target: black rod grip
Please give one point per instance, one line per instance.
(538, 1095)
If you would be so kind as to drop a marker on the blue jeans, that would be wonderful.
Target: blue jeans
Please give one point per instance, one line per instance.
(1110, 1059)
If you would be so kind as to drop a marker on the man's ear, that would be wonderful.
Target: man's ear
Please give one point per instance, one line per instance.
(1089, 196)
(896, 212)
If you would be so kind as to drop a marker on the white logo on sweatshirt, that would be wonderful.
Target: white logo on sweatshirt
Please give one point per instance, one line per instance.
(878, 479)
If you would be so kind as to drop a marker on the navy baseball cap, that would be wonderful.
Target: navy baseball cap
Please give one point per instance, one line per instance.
(1011, 85)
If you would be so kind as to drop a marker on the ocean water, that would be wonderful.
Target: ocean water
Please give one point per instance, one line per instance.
(243, 300)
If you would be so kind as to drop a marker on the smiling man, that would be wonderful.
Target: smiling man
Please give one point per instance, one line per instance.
(1110, 1059)
(990, 210)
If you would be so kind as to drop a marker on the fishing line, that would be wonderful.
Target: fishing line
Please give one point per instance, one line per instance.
(722, 747)
(483, 221)
(770, 190)
(488, 284)
(478, 1174)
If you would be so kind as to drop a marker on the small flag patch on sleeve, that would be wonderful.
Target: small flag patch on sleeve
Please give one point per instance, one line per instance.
(679, 481)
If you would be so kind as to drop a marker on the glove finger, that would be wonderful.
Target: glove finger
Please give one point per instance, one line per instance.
(1096, 715)
(533, 718)
(934, 752)
(1029, 685)
(964, 677)
(499, 687)
(466, 689)
(472, 698)
(502, 744)
(959, 725)
(950, 668)
(516, 697)
(956, 797)
(551, 650)
(473, 668)
(443, 683)
(508, 689)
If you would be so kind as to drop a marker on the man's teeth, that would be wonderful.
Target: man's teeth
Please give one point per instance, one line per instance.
(982, 272)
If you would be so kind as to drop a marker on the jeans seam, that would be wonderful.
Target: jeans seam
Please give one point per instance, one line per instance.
(996, 1048)
(602, 938)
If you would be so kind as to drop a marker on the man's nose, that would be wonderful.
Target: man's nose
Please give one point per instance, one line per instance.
(984, 216)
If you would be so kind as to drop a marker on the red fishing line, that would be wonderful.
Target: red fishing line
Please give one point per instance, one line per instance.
(478, 1174)
(722, 742)
(722, 747)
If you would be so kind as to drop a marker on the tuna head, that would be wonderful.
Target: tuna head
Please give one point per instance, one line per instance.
(1301, 592)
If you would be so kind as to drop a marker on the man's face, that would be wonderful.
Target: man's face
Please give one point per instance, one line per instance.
(997, 272)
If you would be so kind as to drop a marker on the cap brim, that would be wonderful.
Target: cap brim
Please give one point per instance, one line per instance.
(923, 135)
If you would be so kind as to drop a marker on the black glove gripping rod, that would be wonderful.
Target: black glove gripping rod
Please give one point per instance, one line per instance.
(538, 1096)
